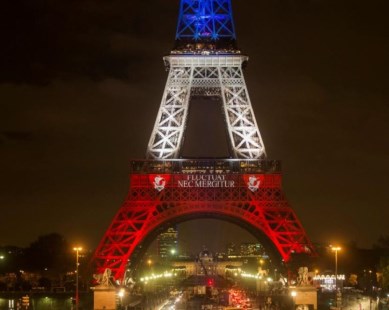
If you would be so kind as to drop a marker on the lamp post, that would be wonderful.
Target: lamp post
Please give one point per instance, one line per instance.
(77, 250)
(149, 263)
(121, 294)
(293, 294)
(336, 249)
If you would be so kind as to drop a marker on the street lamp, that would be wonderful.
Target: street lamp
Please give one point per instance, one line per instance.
(336, 249)
(121, 295)
(293, 294)
(77, 250)
(2, 257)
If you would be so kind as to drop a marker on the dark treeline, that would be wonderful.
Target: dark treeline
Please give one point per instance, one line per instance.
(50, 261)
(47, 262)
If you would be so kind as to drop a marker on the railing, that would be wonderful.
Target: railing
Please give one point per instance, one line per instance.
(207, 166)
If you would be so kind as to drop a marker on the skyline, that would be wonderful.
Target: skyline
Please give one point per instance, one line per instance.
(82, 82)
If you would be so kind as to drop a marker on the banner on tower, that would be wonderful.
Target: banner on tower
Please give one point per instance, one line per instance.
(251, 181)
(206, 180)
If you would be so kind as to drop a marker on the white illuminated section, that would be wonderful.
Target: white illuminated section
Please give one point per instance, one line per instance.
(206, 75)
(151, 277)
(327, 282)
(329, 277)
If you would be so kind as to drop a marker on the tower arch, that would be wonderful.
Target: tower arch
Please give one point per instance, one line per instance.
(247, 192)
(139, 253)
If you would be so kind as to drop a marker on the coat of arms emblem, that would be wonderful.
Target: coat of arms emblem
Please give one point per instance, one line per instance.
(159, 183)
(253, 183)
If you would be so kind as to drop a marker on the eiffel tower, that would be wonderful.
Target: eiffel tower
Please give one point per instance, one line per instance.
(166, 189)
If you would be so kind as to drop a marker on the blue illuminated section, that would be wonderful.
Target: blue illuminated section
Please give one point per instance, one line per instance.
(205, 21)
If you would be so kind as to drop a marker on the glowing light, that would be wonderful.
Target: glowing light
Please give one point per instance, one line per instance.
(121, 293)
(250, 276)
(153, 276)
(335, 248)
(328, 277)
(205, 19)
(77, 249)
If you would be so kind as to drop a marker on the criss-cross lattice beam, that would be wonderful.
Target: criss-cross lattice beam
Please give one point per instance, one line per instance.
(147, 208)
(205, 20)
(242, 127)
(202, 73)
(169, 128)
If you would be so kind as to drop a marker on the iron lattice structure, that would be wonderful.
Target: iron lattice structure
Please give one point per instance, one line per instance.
(164, 189)
(211, 75)
(167, 191)
(201, 20)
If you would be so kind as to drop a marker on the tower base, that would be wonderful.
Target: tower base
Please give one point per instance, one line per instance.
(304, 296)
(104, 298)
(246, 192)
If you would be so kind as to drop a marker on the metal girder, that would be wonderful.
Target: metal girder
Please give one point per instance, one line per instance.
(205, 20)
(155, 199)
(205, 75)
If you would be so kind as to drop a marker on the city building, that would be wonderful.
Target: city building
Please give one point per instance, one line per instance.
(205, 265)
(167, 243)
(251, 249)
(232, 249)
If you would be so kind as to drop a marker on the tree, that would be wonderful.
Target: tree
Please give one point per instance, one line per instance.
(382, 246)
(353, 280)
(384, 268)
(50, 253)
(382, 242)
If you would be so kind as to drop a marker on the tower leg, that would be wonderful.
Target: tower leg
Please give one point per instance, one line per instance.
(245, 138)
(206, 76)
(167, 136)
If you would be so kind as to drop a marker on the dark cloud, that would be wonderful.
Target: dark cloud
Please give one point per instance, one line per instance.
(18, 136)
(45, 40)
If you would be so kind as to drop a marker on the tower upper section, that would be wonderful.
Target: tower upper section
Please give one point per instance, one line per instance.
(205, 62)
(205, 24)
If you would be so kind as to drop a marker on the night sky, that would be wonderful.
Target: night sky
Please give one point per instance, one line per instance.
(80, 86)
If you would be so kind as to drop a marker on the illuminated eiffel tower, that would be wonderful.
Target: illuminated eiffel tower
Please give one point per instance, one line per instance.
(166, 189)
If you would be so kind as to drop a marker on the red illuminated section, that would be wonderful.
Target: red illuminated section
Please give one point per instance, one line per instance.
(163, 192)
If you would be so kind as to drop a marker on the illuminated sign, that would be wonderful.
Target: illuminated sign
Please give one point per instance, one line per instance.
(329, 277)
(252, 182)
(327, 282)
(206, 180)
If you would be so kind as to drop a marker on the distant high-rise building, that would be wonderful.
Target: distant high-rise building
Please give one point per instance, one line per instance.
(167, 243)
(251, 249)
